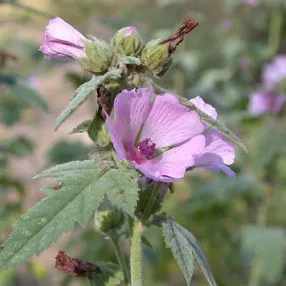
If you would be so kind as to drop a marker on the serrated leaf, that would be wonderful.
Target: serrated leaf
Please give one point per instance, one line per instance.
(268, 246)
(83, 92)
(28, 95)
(185, 248)
(214, 123)
(83, 187)
(82, 127)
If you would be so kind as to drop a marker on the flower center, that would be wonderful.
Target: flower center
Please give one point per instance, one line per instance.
(145, 151)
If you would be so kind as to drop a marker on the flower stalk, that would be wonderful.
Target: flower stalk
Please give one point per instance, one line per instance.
(136, 254)
(120, 257)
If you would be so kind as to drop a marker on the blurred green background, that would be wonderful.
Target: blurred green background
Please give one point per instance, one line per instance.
(240, 223)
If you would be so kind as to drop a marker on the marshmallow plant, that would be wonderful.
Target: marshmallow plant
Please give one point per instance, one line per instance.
(149, 139)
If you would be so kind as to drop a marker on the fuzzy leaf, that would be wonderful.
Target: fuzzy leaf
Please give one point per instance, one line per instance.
(83, 186)
(185, 248)
(82, 127)
(84, 91)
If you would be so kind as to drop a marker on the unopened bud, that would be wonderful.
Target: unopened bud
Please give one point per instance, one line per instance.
(99, 56)
(127, 41)
(108, 220)
(156, 57)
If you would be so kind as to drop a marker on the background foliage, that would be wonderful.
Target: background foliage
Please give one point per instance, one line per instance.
(240, 223)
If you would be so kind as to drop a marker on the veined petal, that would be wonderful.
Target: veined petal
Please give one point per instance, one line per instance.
(206, 108)
(170, 123)
(116, 141)
(172, 164)
(131, 109)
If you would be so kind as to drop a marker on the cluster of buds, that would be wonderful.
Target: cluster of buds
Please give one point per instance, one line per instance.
(61, 40)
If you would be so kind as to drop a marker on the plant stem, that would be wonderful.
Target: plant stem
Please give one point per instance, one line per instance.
(255, 274)
(120, 257)
(275, 28)
(153, 197)
(136, 254)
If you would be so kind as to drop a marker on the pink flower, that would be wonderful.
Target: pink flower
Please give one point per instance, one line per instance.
(275, 72)
(129, 31)
(218, 152)
(264, 101)
(158, 136)
(61, 40)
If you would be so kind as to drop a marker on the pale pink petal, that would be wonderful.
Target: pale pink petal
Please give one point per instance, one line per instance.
(62, 40)
(131, 109)
(117, 144)
(170, 123)
(217, 167)
(217, 153)
(172, 164)
(129, 31)
(206, 108)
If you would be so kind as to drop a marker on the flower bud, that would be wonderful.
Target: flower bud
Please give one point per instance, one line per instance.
(108, 220)
(127, 41)
(99, 56)
(157, 57)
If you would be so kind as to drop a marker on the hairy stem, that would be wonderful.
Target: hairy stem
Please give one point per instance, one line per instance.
(136, 254)
(120, 257)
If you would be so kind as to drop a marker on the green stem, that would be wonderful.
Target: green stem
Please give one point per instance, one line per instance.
(255, 274)
(120, 257)
(136, 254)
(275, 28)
(153, 197)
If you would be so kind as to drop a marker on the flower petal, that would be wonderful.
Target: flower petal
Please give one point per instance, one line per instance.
(206, 108)
(170, 123)
(131, 109)
(172, 164)
(62, 40)
(117, 144)
(218, 153)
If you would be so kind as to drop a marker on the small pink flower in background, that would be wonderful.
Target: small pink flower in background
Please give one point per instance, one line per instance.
(252, 2)
(129, 31)
(61, 40)
(160, 137)
(275, 72)
(264, 101)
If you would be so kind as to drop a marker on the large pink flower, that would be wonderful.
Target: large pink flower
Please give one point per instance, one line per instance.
(61, 40)
(157, 135)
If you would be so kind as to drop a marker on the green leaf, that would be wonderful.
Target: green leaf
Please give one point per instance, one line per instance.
(214, 123)
(268, 246)
(29, 95)
(83, 187)
(84, 91)
(82, 127)
(185, 248)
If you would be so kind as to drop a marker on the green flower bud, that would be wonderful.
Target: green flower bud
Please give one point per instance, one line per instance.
(156, 57)
(108, 220)
(99, 56)
(127, 41)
